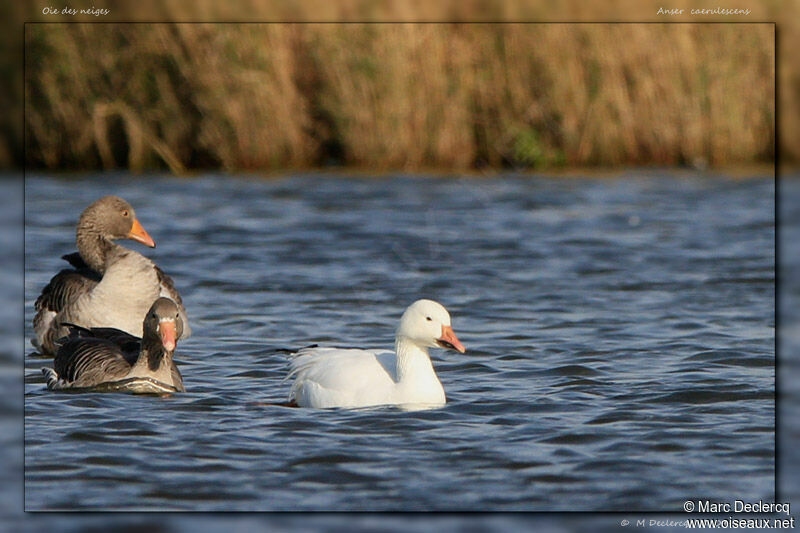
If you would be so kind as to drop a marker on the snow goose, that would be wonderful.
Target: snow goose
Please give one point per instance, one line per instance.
(109, 285)
(334, 377)
(92, 357)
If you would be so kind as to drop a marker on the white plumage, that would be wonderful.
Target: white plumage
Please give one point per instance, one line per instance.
(335, 377)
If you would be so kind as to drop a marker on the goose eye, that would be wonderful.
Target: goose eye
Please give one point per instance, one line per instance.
(125, 213)
(428, 318)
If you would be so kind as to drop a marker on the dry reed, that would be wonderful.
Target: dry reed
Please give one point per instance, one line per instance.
(397, 96)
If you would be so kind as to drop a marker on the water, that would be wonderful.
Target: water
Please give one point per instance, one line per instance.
(620, 337)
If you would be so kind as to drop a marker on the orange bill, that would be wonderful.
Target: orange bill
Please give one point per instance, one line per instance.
(138, 234)
(166, 328)
(449, 340)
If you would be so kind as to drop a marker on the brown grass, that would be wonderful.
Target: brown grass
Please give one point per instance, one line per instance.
(398, 96)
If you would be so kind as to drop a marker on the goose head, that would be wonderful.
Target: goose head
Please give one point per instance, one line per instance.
(427, 324)
(113, 218)
(163, 324)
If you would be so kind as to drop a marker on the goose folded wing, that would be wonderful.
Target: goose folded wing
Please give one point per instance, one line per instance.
(127, 343)
(86, 362)
(65, 287)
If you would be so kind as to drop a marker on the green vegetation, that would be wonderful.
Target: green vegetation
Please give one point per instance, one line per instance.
(397, 96)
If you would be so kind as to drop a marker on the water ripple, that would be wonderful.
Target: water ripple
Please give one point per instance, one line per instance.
(602, 354)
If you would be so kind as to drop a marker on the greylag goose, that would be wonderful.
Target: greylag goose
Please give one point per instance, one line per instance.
(91, 357)
(334, 377)
(109, 285)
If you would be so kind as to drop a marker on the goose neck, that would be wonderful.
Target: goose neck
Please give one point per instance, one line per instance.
(413, 361)
(94, 249)
(153, 355)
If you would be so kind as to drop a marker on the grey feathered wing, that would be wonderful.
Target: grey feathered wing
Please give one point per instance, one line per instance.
(87, 358)
(64, 288)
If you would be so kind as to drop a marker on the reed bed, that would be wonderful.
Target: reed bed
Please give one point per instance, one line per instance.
(251, 97)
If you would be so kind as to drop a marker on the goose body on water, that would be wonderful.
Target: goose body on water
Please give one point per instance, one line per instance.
(109, 285)
(334, 377)
(93, 357)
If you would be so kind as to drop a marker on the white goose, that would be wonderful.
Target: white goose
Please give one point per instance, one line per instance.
(335, 377)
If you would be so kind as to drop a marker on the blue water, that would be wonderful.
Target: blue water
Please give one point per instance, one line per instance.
(620, 337)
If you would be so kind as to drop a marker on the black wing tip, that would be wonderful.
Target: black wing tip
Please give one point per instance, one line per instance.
(290, 403)
(74, 330)
(75, 260)
(290, 351)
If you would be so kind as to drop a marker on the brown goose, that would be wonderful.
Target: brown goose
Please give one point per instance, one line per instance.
(109, 285)
(91, 357)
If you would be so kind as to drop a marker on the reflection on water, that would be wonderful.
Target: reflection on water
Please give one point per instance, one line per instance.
(620, 337)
